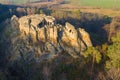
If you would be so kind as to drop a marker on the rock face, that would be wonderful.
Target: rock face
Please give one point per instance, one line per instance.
(85, 37)
(40, 37)
(70, 35)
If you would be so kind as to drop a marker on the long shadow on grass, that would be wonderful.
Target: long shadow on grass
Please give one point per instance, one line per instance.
(93, 24)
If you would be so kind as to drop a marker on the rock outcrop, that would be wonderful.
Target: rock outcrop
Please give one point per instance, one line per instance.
(42, 38)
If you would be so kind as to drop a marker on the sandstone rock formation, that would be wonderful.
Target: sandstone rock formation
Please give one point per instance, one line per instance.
(50, 20)
(85, 37)
(31, 36)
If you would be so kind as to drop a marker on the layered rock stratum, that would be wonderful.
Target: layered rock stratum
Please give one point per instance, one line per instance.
(39, 37)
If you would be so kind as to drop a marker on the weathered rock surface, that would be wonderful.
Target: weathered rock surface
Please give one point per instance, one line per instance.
(31, 37)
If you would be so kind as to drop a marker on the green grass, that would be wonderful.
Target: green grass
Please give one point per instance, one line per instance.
(17, 1)
(97, 3)
(13, 1)
(93, 3)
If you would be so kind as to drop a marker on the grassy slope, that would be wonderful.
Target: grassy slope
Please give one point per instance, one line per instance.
(12, 1)
(93, 3)
(17, 1)
(98, 3)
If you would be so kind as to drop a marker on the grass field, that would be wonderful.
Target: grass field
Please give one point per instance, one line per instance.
(92, 3)
(16, 1)
(12, 1)
(97, 3)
